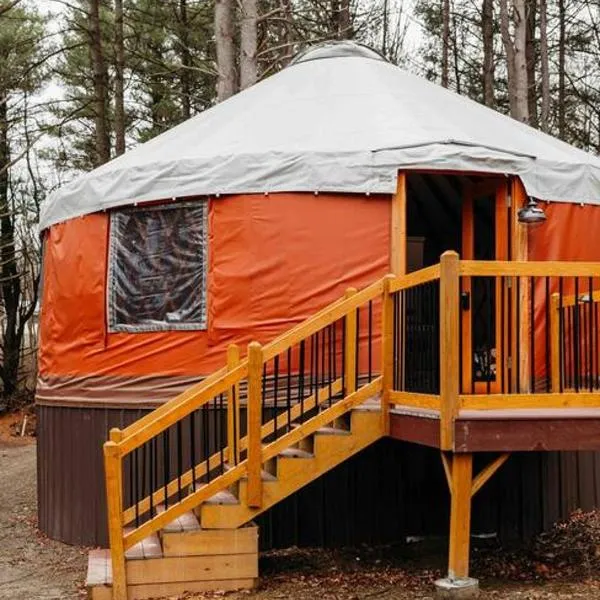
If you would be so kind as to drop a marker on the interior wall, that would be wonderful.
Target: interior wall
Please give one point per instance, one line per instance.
(273, 261)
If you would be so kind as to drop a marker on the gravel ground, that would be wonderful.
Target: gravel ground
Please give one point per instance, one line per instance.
(32, 567)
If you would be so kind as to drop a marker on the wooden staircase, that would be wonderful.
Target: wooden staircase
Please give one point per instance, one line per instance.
(215, 546)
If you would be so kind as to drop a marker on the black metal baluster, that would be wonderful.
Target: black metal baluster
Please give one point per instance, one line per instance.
(221, 433)
(518, 337)
(288, 399)
(330, 360)
(487, 282)
(275, 395)
(166, 470)
(206, 438)
(136, 488)
(357, 341)
(370, 341)
(193, 446)
(151, 473)
(323, 346)
(532, 333)
(547, 306)
(344, 357)
(179, 460)
(590, 333)
(301, 380)
(396, 326)
(263, 395)
(561, 328)
(576, 335)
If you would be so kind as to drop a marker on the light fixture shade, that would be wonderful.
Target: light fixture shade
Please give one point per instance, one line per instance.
(531, 213)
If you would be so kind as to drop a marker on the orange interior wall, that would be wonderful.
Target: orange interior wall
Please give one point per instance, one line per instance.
(273, 261)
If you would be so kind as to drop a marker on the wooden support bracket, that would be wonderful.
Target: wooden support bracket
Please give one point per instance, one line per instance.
(447, 463)
(487, 473)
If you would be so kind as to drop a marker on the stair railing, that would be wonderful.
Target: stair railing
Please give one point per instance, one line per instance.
(181, 454)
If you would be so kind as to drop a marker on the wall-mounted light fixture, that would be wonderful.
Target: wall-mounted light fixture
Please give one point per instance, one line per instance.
(531, 213)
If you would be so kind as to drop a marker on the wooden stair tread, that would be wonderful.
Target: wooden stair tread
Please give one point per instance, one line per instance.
(222, 497)
(332, 431)
(296, 453)
(264, 475)
(148, 548)
(99, 571)
(186, 522)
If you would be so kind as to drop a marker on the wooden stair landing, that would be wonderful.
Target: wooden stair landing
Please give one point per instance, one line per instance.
(216, 546)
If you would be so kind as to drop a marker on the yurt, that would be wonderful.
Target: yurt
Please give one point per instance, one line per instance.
(247, 219)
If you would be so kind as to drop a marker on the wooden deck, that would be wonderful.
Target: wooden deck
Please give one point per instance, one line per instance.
(512, 430)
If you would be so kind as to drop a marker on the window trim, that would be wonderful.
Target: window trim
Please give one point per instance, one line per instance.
(111, 325)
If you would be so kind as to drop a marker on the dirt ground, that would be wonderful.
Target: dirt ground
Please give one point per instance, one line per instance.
(32, 567)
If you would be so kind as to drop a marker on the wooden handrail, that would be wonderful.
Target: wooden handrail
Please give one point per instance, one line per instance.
(184, 405)
(499, 268)
(415, 278)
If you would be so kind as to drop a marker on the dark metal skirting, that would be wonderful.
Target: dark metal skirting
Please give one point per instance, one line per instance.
(387, 492)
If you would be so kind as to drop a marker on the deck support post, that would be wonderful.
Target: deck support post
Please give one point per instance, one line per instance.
(458, 584)
(255, 367)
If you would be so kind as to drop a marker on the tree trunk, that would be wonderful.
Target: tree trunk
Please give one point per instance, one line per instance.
(544, 67)
(445, 42)
(225, 47)
(100, 85)
(516, 62)
(344, 28)
(10, 283)
(531, 58)
(522, 87)
(119, 80)
(487, 26)
(248, 44)
(186, 61)
(562, 121)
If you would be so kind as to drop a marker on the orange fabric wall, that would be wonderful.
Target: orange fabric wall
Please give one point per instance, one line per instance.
(571, 232)
(273, 261)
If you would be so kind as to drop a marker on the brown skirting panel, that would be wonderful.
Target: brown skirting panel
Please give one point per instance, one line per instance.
(417, 429)
(391, 490)
(506, 435)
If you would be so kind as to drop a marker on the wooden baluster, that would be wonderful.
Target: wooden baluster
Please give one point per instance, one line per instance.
(387, 352)
(449, 346)
(255, 368)
(350, 366)
(113, 467)
(233, 408)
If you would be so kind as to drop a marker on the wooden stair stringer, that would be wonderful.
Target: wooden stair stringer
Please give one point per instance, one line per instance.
(330, 450)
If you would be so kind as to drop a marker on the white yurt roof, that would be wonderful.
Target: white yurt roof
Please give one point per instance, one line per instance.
(338, 119)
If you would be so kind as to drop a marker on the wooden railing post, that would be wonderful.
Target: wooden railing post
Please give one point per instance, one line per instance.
(255, 367)
(449, 346)
(114, 503)
(555, 343)
(350, 350)
(387, 352)
(233, 408)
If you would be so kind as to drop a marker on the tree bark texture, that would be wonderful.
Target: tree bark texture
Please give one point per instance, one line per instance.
(225, 47)
(248, 43)
(119, 80)
(487, 26)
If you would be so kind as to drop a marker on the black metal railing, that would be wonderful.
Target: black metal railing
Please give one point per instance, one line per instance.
(528, 334)
(416, 339)
(169, 466)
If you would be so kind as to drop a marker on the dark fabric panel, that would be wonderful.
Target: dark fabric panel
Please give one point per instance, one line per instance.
(388, 491)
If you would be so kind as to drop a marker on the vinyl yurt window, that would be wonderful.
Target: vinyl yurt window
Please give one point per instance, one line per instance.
(157, 268)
